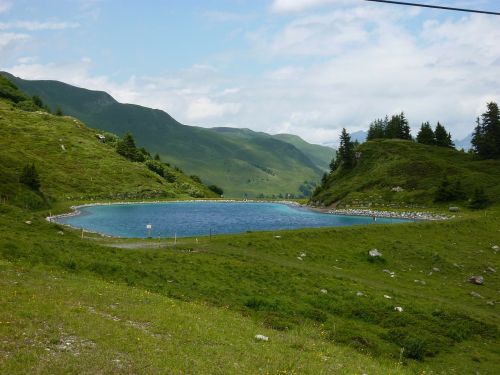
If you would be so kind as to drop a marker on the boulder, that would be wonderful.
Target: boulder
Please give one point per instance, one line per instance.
(375, 253)
(478, 280)
(261, 338)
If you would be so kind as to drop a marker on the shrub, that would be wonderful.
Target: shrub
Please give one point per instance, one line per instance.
(30, 178)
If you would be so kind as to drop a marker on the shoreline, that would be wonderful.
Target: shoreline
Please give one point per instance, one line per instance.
(410, 215)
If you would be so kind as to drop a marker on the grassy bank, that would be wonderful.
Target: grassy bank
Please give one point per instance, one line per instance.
(335, 292)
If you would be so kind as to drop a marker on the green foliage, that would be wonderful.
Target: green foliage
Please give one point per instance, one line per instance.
(443, 138)
(220, 156)
(395, 128)
(417, 168)
(448, 192)
(59, 112)
(426, 135)
(195, 178)
(217, 190)
(479, 200)
(155, 166)
(30, 177)
(127, 148)
(346, 157)
(486, 137)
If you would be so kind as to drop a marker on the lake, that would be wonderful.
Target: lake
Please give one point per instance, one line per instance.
(190, 219)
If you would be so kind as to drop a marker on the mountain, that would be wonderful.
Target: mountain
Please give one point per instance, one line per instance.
(251, 163)
(320, 155)
(71, 162)
(416, 168)
(464, 143)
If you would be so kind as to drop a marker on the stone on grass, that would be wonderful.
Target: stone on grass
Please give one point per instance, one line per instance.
(491, 269)
(60, 232)
(477, 295)
(360, 294)
(435, 269)
(495, 248)
(261, 338)
(28, 222)
(478, 280)
(302, 254)
(398, 309)
(299, 258)
(375, 253)
(386, 296)
(324, 291)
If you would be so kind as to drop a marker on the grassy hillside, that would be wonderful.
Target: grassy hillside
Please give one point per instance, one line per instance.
(252, 165)
(72, 163)
(320, 155)
(61, 288)
(417, 168)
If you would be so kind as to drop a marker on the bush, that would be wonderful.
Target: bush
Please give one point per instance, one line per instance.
(217, 190)
(479, 200)
(155, 166)
(30, 178)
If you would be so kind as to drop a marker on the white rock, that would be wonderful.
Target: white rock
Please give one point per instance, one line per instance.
(28, 222)
(261, 338)
(324, 291)
(299, 258)
(386, 296)
(495, 247)
(398, 308)
(435, 269)
(302, 254)
(360, 294)
(375, 253)
(277, 236)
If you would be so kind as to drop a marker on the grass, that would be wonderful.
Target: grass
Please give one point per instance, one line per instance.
(72, 163)
(239, 161)
(418, 169)
(258, 278)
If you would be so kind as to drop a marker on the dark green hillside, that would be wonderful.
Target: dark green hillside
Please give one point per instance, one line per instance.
(72, 163)
(255, 164)
(417, 168)
(320, 155)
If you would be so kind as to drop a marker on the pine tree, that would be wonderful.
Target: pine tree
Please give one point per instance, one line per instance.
(127, 148)
(426, 135)
(30, 177)
(479, 199)
(443, 138)
(376, 130)
(486, 137)
(405, 131)
(345, 154)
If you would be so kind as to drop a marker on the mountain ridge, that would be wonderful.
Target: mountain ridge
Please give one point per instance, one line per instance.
(258, 165)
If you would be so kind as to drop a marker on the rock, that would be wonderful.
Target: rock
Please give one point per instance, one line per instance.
(360, 294)
(375, 253)
(386, 296)
(324, 291)
(28, 222)
(398, 309)
(60, 233)
(491, 269)
(302, 254)
(261, 338)
(299, 258)
(495, 248)
(454, 209)
(478, 280)
(477, 295)
(435, 269)
(491, 303)
(277, 237)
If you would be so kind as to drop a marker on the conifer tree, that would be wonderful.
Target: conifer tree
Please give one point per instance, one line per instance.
(486, 137)
(30, 178)
(443, 138)
(127, 148)
(345, 154)
(426, 135)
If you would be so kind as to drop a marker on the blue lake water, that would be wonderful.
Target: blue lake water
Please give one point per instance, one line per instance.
(189, 219)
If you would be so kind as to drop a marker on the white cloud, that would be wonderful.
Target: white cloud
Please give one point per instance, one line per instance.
(5, 6)
(327, 70)
(206, 109)
(37, 26)
(301, 5)
(9, 41)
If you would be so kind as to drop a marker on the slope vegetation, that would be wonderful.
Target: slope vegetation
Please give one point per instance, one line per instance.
(72, 163)
(253, 164)
(385, 165)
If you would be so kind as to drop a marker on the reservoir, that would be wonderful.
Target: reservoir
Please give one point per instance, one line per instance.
(190, 219)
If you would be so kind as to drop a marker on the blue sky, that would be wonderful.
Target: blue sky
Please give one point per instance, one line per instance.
(308, 67)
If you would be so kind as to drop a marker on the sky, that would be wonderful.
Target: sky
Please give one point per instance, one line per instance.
(307, 67)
